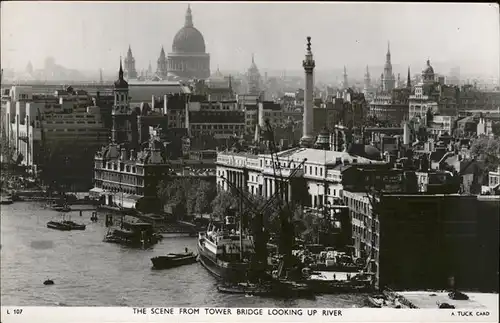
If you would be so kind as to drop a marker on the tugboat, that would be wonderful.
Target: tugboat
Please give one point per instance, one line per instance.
(58, 225)
(65, 225)
(172, 260)
(224, 249)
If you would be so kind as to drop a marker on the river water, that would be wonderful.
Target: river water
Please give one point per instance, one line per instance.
(90, 272)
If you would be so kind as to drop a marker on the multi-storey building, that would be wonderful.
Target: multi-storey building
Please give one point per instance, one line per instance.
(124, 178)
(433, 97)
(56, 133)
(472, 100)
(220, 119)
(494, 180)
(419, 241)
(391, 107)
(268, 110)
(314, 182)
(440, 125)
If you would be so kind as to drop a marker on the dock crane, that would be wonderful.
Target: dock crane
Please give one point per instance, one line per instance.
(287, 231)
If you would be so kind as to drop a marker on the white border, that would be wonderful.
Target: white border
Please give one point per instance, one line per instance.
(11, 314)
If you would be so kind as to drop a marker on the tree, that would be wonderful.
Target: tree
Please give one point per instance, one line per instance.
(187, 196)
(487, 150)
(205, 193)
(173, 193)
(223, 202)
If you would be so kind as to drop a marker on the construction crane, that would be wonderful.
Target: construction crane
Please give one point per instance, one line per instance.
(287, 234)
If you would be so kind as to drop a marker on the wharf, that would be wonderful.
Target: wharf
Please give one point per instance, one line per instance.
(329, 275)
(423, 299)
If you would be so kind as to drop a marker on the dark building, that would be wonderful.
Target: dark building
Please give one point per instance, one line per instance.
(416, 241)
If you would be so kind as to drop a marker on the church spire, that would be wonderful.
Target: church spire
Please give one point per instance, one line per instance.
(120, 72)
(345, 83)
(388, 55)
(189, 17)
(408, 80)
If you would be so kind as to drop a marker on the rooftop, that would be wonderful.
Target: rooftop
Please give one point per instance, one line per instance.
(144, 91)
(322, 156)
(476, 300)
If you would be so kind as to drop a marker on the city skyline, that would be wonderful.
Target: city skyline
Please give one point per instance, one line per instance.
(72, 33)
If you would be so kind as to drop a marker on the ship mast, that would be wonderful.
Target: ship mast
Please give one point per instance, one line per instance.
(241, 228)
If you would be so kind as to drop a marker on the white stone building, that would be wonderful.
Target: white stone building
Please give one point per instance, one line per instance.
(255, 173)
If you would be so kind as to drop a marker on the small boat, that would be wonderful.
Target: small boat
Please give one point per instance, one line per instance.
(376, 301)
(456, 295)
(445, 305)
(62, 208)
(246, 289)
(65, 225)
(6, 200)
(59, 206)
(48, 282)
(58, 225)
(75, 226)
(173, 260)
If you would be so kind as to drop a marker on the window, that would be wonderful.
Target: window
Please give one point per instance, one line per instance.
(316, 171)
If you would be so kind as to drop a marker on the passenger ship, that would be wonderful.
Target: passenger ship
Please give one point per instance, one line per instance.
(224, 251)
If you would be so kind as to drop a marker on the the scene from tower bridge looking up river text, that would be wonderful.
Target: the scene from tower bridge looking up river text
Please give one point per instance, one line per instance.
(273, 156)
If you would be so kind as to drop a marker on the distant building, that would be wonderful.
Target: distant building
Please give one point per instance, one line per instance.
(433, 97)
(392, 107)
(388, 79)
(220, 120)
(254, 79)
(55, 133)
(368, 89)
(188, 59)
(129, 63)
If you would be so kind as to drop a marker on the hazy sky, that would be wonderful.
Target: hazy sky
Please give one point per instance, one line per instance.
(89, 36)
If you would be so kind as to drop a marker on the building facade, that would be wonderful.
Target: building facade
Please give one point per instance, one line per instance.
(315, 181)
(419, 241)
(55, 134)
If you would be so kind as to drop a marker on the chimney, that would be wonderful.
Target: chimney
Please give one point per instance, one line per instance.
(165, 100)
(260, 115)
(406, 134)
